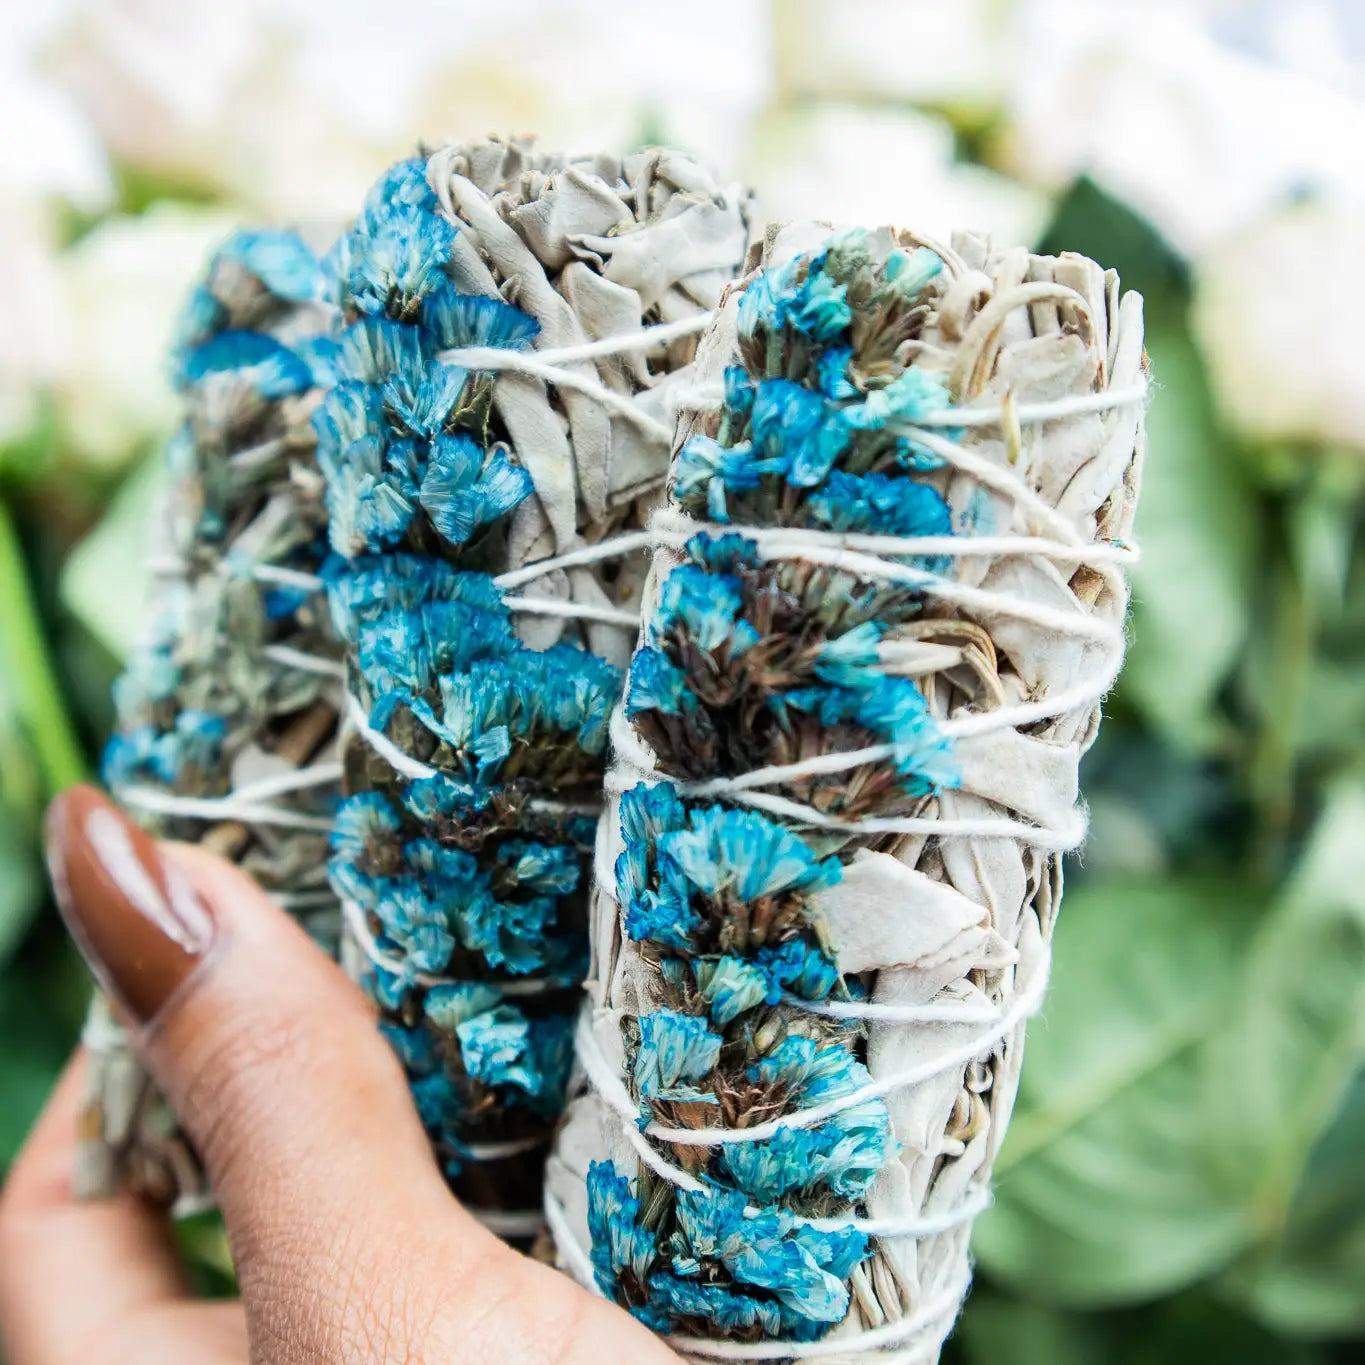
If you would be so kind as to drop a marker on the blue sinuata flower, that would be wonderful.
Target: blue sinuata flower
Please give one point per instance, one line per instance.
(466, 487)
(456, 319)
(279, 258)
(401, 254)
(268, 366)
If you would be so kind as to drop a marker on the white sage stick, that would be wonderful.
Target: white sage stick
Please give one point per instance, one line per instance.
(516, 326)
(886, 605)
(227, 712)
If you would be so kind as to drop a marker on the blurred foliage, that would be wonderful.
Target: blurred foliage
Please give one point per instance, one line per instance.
(1184, 1178)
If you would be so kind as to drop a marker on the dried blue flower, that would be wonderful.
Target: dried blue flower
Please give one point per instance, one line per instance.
(799, 429)
(371, 497)
(279, 258)
(673, 1048)
(544, 868)
(913, 394)
(268, 366)
(705, 465)
(657, 684)
(706, 608)
(731, 986)
(375, 349)
(397, 259)
(746, 855)
(455, 319)
(466, 487)
(620, 1242)
(874, 504)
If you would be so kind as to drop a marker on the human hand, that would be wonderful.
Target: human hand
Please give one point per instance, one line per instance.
(347, 1243)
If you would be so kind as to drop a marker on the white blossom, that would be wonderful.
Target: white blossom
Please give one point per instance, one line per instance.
(922, 50)
(1200, 137)
(1277, 312)
(851, 164)
(121, 289)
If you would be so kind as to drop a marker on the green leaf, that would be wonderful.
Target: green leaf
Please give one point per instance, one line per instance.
(1313, 1281)
(1103, 1191)
(42, 999)
(1200, 534)
(105, 582)
(997, 1329)
(1278, 1075)
(1000, 1330)
(22, 887)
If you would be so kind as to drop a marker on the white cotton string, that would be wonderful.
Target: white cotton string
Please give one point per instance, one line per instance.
(709, 397)
(304, 662)
(401, 763)
(1061, 839)
(567, 1244)
(500, 1151)
(834, 551)
(231, 806)
(358, 724)
(220, 808)
(287, 578)
(581, 1268)
(674, 527)
(528, 363)
(580, 611)
(296, 779)
(947, 1012)
(551, 365)
(1021, 1007)
(623, 343)
(613, 548)
(1030, 712)
(630, 748)
(1074, 405)
(617, 1096)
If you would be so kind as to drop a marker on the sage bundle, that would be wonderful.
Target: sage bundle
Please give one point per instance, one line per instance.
(227, 713)
(516, 328)
(885, 603)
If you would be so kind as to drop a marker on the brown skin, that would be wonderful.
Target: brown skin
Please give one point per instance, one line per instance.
(348, 1245)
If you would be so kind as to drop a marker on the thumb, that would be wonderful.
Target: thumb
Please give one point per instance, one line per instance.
(269, 1055)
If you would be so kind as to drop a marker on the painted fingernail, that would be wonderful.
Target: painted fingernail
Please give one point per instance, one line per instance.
(140, 925)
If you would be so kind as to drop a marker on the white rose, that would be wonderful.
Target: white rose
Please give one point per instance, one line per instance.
(1198, 137)
(921, 50)
(122, 287)
(1277, 312)
(851, 164)
(32, 321)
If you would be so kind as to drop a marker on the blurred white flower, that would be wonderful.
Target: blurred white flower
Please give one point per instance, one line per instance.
(923, 50)
(293, 108)
(121, 289)
(1278, 315)
(47, 145)
(1199, 137)
(30, 318)
(850, 164)
(48, 153)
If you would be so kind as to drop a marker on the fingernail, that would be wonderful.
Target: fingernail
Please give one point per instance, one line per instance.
(141, 926)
